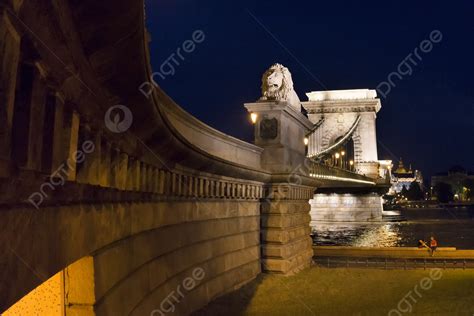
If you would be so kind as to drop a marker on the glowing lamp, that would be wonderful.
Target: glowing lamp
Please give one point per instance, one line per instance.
(337, 155)
(253, 117)
(306, 141)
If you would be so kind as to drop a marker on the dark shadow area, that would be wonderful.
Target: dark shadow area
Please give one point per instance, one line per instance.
(233, 303)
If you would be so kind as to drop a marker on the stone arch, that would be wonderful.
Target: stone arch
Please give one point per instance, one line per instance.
(69, 291)
(333, 130)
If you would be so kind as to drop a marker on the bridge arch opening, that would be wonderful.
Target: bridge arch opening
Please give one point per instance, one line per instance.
(69, 291)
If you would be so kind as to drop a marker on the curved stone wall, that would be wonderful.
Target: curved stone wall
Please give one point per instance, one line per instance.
(213, 141)
(150, 205)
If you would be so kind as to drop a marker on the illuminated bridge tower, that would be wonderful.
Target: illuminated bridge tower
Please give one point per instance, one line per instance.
(342, 116)
(344, 136)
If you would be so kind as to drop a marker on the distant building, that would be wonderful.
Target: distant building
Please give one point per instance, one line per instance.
(456, 177)
(404, 177)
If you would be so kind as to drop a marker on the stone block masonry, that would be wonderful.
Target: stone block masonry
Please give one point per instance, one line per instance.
(346, 207)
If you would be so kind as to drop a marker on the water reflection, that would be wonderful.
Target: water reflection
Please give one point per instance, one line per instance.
(357, 235)
(451, 229)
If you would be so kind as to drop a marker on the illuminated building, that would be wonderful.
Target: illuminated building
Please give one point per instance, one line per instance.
(404, 177)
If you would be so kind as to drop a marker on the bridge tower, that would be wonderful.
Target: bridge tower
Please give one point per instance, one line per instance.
(346, 119)
(340, 116)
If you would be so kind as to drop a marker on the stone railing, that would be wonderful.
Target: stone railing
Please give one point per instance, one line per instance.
(328, 173)
(211, 140)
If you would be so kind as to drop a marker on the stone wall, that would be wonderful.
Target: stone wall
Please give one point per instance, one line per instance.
(140, 251)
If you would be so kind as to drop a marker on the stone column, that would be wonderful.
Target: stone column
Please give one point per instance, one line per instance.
(122, 170)
(162, 181)
(280, 131)
(84, 135)
(115, 167)
(65, 140)
(71, 138)
(105, 163)
(368, 160)
(143, 177)
(9, 58)
(91, 147)
(131, 173)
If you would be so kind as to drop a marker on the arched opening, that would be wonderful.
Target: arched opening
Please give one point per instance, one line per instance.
(342, 156)
(70, 291)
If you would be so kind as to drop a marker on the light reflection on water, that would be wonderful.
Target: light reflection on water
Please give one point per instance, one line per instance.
(357, 235)
(451, 230)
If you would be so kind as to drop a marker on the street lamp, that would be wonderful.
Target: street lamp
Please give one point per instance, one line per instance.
(306, 141)
(351, 163)
(253, 117)
(337, 158)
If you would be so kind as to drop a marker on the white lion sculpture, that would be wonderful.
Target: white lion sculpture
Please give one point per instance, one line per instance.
(277, 85)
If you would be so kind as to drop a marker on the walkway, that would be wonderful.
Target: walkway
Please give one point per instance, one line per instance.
(322, 291)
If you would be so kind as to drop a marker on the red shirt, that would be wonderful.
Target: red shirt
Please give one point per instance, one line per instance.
(433, 243)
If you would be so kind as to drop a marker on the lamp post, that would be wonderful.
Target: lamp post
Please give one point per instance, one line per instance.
(306, 142)
(351, 165)
(343, 162)
(337, 158)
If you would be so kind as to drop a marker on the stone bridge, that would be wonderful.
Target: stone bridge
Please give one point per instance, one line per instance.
(102, 219)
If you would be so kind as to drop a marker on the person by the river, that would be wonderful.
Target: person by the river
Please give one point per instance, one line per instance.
(421, 244)
(433, 245)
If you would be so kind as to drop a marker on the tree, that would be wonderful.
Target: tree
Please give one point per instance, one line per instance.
(414, 193)
(468, 189)
(390, 199)
(404, 191)
(444, 192)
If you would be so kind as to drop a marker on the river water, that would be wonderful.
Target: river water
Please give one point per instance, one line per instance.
(452, 227)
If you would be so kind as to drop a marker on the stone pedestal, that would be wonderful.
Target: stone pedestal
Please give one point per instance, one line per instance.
(280, 131)
(285, 232)
(346, 207)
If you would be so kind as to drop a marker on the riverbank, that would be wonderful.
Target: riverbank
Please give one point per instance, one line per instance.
(451, 228)
(320, 291)
(392, 252)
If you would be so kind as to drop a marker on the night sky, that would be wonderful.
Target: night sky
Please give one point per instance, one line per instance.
(427, 118)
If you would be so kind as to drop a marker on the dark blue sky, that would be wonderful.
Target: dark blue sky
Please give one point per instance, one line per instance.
(428, 118)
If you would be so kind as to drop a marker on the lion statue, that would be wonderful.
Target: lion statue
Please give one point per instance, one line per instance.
(277, 85)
